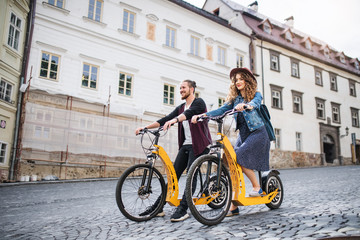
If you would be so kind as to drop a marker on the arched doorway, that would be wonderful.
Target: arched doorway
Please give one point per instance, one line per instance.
(329, 148)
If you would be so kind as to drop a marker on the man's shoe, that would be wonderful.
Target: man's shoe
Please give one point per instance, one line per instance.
(256, 194)
(234, 212)
(179, 215)
(151, 209)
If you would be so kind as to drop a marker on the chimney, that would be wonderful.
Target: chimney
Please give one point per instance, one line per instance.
(254, 6)
(290, 21)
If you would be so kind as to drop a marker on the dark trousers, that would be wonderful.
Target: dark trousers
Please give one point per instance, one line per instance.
(184, 159)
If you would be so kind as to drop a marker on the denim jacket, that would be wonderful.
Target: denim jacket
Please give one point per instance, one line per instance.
(252, 117)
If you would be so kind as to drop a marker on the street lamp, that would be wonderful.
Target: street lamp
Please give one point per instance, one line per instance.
(346, 133)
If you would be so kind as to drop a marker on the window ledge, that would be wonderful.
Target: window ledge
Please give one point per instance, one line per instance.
(275, 70)
(86, 19)
(63, 10)
(295, 76)
(172, 48)
(195, 56)
(220, 65)
(301, 113)
(11, 51)
(128, 33)
(278, 108)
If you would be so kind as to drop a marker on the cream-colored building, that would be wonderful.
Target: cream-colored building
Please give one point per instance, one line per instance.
(311, 89)
(13, 25)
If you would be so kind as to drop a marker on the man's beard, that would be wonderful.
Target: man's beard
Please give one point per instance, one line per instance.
(185, 96)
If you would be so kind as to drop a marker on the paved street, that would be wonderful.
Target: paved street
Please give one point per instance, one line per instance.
(319, 203)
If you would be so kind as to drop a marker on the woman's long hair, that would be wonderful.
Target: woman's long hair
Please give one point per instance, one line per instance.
(250, 88)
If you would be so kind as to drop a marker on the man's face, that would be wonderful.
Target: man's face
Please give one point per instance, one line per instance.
(185, 90)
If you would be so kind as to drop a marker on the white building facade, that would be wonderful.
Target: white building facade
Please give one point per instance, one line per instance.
(103, 68)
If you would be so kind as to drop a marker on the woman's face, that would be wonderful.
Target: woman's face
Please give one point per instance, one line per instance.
(239, 82)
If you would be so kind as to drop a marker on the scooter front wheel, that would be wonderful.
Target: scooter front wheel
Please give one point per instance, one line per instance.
(273, 182)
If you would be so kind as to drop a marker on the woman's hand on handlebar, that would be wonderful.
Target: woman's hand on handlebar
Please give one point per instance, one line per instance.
(242, 106)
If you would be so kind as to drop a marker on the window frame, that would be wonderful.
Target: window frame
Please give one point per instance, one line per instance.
(14, 32)
(55, 4)
(125, 89)
(90, 73)
(267, 27)
(170, 38)
(6, 97)
(352, 85)
(277, 132)
(295, 62)
(274, 88)
(5, 151)
(333, 82)
(354, 116)
(221, 101)
(49, 66)
(128, 21)
(170, 86)
(277, 55)
(94, 10)
(195, 45)
(221, 55)
(320, 101)
(239, 60)
(298, 139)
(318, 70)
(335, 106)
(296, 94)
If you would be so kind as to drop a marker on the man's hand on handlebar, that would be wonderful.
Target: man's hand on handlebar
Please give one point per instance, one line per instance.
(195, 118)
(137, 131)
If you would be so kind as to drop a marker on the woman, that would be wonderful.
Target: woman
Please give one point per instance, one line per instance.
(252, 145)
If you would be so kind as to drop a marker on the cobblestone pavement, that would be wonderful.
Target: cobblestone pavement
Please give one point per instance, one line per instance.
(319, 203)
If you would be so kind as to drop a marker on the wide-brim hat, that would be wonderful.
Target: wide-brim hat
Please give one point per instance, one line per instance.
(244, 70)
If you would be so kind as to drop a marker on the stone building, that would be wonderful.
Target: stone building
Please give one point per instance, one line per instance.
(13, 25)
(311, 89)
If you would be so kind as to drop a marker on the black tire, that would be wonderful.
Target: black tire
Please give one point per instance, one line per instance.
(273, 182)
(198, 185)
(131, 198)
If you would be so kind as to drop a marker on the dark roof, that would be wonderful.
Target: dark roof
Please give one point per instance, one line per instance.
(297, 45)
(207, 15)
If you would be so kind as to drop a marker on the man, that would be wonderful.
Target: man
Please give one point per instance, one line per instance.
(193, 139)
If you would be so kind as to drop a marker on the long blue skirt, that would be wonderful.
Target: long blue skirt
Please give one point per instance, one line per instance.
(253, 153)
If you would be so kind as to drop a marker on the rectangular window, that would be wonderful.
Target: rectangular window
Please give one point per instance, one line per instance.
(333, 82)
(320, 108)
(194, 45)
(2, 152)
(170, 37)
(276, 96)
(57, 3)
(85, 124)
(169, 94)
(295, 68)
(90, 76)
(221, 101)
(5, 90)
(352, 88)
(95, 10)
(297, 102)
(335, 112)
(221, 55)
(239, 60)
(318, 77)
(14, 31)
(197, 94)
(128, 21)
(274, 61)
(49, 66)
(277, 138)
(298, 142)
(125, 83)
(354, 117)
(42, 132)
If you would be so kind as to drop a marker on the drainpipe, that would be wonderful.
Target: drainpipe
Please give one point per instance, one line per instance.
(25, 62)
(262, 71)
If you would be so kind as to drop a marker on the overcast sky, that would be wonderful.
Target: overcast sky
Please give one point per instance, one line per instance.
(332, 21)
